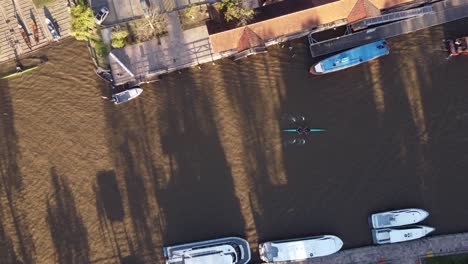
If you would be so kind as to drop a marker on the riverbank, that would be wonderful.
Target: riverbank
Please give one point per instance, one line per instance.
(402, 253)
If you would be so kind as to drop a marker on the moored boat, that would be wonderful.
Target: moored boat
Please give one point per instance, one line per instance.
(395, 235)
(127, 95)
(300, 248)
(105, 75)
(25, 36)
(53, 31)
(351, 58)
(35, 30)
(400, 217)
(229, 250)
(457, 46)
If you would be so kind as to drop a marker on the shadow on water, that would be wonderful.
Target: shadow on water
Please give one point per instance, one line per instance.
(109, 199)
(200, 189)
(196, 194)
(11, 184)
(66, 226)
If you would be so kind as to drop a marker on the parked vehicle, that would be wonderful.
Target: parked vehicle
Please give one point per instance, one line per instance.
(101, 15)
(400, 217)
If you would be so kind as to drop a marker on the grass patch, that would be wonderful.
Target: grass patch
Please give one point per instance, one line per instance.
(193, 16)
(451, 259)
(42, 3)
(100, 49)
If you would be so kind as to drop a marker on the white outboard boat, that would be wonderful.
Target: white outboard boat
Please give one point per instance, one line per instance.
(127, 95)
(229, 250)
(395, 235)
(299, 249)
(400, 217)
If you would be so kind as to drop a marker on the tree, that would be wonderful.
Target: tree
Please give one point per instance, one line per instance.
(189, 11)
(156, 21)
(118, 38)
(234, 10)
(82, 22)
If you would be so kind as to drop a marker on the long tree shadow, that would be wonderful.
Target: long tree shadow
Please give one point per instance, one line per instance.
(69, 234)
(11, 181)
(200, 190)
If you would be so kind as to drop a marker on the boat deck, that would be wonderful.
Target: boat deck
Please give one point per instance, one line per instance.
(172, 251)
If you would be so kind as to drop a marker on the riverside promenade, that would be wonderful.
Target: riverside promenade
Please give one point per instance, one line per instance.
(443, 12)
(401, 253)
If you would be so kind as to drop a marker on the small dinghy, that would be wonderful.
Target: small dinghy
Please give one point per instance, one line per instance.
(52, 29)
(105, 75)
(395, 235)
(127, 95)
(400, 217)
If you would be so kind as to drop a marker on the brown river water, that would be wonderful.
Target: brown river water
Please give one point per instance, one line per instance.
(200, 154)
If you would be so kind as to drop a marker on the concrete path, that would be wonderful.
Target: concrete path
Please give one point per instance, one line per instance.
(400, 253)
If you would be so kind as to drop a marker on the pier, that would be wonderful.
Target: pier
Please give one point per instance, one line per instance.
(402, 253)
(443, 12)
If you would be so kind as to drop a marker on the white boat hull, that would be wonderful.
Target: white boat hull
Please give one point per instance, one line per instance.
(396, 235)
(300, 249)
(400, 217)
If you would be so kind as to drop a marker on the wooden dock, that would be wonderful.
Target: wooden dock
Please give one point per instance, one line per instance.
(444, 11)
(23, 11)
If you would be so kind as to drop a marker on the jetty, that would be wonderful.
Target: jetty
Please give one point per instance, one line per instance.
(429, 16)
(402, 253)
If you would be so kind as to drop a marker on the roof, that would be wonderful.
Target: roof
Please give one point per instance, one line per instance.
(363, 9)
(249, 40)
(295, 22)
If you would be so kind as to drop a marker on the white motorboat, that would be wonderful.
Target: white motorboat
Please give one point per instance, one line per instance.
(400, 217)
(127, 95)
(229, 250)
(395, 235)
(300, 249)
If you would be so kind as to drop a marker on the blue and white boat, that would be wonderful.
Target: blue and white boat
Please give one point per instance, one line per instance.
(351, 57)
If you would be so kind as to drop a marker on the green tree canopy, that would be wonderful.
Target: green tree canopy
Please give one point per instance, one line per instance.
(234, 10)
(118, 38)
(82, 22)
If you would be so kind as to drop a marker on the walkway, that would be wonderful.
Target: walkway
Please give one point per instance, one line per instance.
(401, 253)
(177, 50)
(445, 11)
(11, 40)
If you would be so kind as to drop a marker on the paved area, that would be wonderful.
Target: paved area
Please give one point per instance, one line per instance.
(444, 12)
(401, 253)
(126, 10)
(24, 12)
(179, 49)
